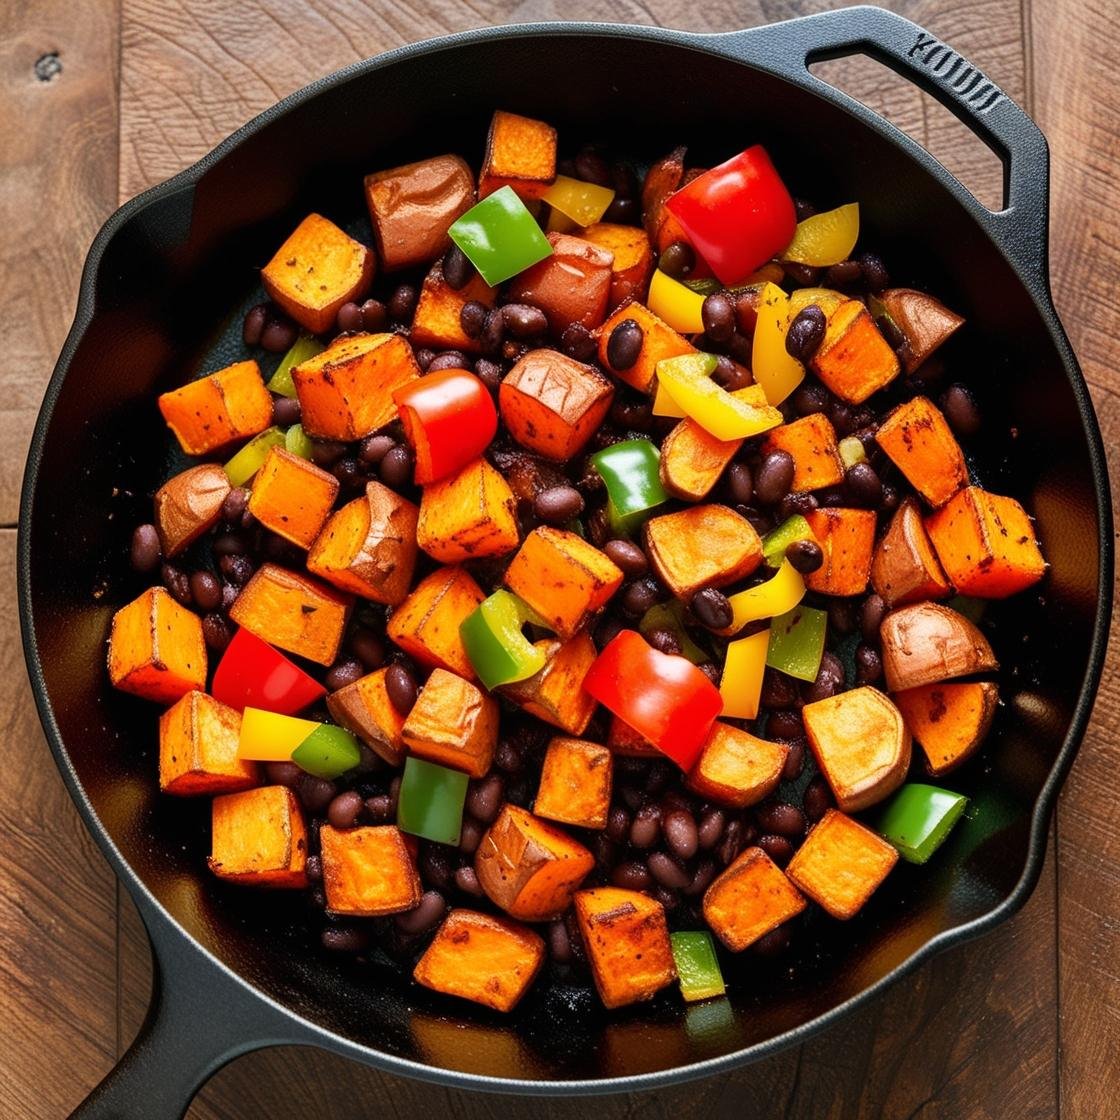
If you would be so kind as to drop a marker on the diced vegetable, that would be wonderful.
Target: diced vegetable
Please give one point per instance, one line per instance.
(698, 972)
(749, 899)
(949, 721)
(259, 838)
(529, 867)
(270, 736)
(584, 203)
(249, 460)
(854, 360)
(744, 665)
(623, 740)
(841, 864)
(217, 409)
(368, 871)
(665, 698)
(520, 153)
(575, 786)
(702, 546)
(692, 461)
(918, 440)
(735, 768)
(298, 442)
(986, 543)
(687, 380)
(775, 543)
(294, 612)
(861, 745)
(492, 636)
(304, 347)
(926, 643)
(251, 674)
(847, 539)
(426, 625)
(431, 800)
(468, 515)
(675, 304)
(328, 752)
(663, 178)
(156, 649)
(776, 596)
(905, 568)
(198, 749)
(369, 546)
(627, 941)
(659, 342)
(827, 299)
(811, 442)
(292, 496)
(851, 451)
(572, 285)
(555, 693)
(825, 239)
(189, 505)
(500, 237)
(482, 958)
(364, 707)
(671, 616)
(453, 723)
(918, 818)
(797, 642)
(774, 368)
(437, 321)
(630, 470)
(316, 271)
(633, 259)
(924, 322)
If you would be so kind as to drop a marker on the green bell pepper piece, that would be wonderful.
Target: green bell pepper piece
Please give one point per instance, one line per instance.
(493, 638)
(500, 237)
(327, 752)
(705, 285)
(298, 442)
(775, 543)
(251, 457)
(431, 799)
(631, 471)
(670, 616)
(797, 642)
(918, 818)
(303, 348)
(697, 966)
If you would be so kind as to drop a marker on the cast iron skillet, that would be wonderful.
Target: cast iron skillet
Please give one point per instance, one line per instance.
(235, 969)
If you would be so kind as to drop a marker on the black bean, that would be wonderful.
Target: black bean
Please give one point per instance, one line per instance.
(740, 484)
(327, 452)
(862, 483)
(316, 793)
(624, 345)
(890, 498)
(784, 725)
(598, 528)
(402, 302)
(400, 687)
(628, 557)
(667, 871)
(424, 357)
(711, 608)
(344, 939)
(631, 875)
(874, 272)
(488, 372)
(640, 596)
(829, 680)
(144, 550)
(732, 842)
(772, 944)
(285, 411)
(739, 346)
(493, 333)
(345, 809)
(871, 614)
(467, 881)
(344, 672)
(578, 342)
(842, 274)
(177, 583)
(253, 327)
(395, 467)
(592, 168)
(709, 831)
(604, 850)
(484, 798)
(803, 275)
(842, 615)
(677, 260)
(841, 416)
(435, 865)
(237, 569)
(674, 799)
(425, 915)
(646, 827)
(794, 763)
(230, 592)
(632, 415)
(470, 835)
(778, 690)
(773, 478)
(373, 449)
(778, 848)
(781, 818)
(449, 359)
(869, 665)
(681, 835)
(730, 375)
(215, 631)
(817, 799)
(472, 318)
(514, 351)
(206, 591)
(718, 316)
(230, 544)
(803, 209)
(379, 808)
(349, 473)
(663, 640)
(806, 333)
(279, 335)
(559, 944)
(558, 505)
(522, 320)
(809, 398)
(283, 774)
(802, 502)
(804, 556)
(508, 756)
(349, 317)
(375, 316)
(457, 268)
(622, 211)
(618, 823)
(961, 410)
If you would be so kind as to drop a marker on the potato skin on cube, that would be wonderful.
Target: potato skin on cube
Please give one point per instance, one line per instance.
(189, 505)
(575, 786)
(259, 838)
(426, 624)
(215, 410)
(368, 871)
(736, 768)
(365, 709)
(702, 546)
(468, 515)
(454, 723)
(925, 643)
(292, 496)
(905, 568)
(693, 460)
(571, 285)
(198, 749)
(633, 258)
(520, 153)
(749, 899)
(555, 692)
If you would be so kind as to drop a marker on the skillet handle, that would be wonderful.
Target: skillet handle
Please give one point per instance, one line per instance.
(1021, 227)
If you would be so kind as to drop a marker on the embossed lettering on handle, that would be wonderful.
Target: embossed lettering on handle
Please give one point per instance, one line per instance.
(953, 72)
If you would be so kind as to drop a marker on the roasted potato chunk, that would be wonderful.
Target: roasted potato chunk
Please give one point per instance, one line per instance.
(454, 723)
(189, 505)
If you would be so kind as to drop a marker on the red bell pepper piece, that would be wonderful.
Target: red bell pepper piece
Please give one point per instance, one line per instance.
(738, 215)
(251, 674)
(665, 698)
(449, 418)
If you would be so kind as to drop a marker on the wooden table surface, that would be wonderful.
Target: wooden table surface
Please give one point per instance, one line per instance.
(103, 98)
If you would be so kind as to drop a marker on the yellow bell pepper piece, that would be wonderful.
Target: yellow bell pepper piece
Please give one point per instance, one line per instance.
(584, 203)
(687, 381)
(664, 405)
(825, 239)
(270, 737)
(678, 305)
(779, 594)
(774, 369)
(558, 222)
(741, 683)
(826, 299)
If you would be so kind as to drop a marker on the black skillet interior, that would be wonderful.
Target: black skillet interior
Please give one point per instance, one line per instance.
(165, 292)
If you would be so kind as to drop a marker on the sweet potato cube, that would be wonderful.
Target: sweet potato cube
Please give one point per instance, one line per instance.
(627, 941)
(662, 179)
(633, 259)
(293, 612)
(520, 153)
(949, 721)
(156, 648)
(217, 409)
(369, 546)
(841, 864)
(412, 207)
(918, 440)
(854, 359)
(693, 460)
(189, 505)
(659, 341)
(749, 899)
(468, 515)
(426, 624)
(479, 957)
(292, 496)
(905, 568)
(562, 577)
(365, 709)
(811, 441)
(346, 392)
(529, 867)
(555, 692)
(847, 538)
(369, 871)
(571, 285)
(259, 838)
(553, 404)
(316, 271)
(622, 739)
(575, 783)
(735, 768)
(861, 745)
(702, 546)
(454, 723)
(436, 322)
(986, 544)
(198, 748)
